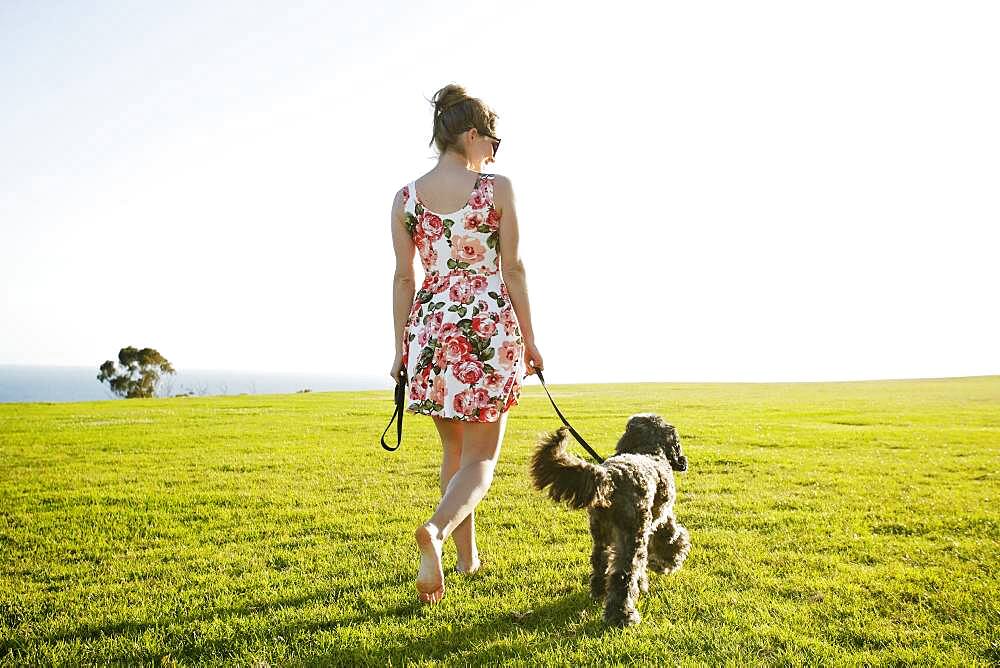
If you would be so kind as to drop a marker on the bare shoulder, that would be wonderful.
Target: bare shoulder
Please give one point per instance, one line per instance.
(501, 182)
(399, 205)
(503, 192)
(397, 199)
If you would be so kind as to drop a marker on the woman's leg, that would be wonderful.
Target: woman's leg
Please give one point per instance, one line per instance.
(480, 451)
(451, 433)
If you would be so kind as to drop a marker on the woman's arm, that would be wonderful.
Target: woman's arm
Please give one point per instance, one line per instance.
(511, 267)
(403, 282)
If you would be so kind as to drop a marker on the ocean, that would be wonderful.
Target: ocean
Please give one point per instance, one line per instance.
(20, 383)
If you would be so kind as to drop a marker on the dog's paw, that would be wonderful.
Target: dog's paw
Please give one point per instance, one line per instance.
(658, 566)
(622, 618)
(598, 586)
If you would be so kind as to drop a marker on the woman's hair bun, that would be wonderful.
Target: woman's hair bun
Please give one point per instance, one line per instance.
(448, 96)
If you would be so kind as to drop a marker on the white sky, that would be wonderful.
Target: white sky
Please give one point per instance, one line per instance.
(706, 191)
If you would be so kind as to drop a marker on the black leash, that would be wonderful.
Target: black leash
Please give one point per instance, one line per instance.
(400, 409)
(400, 401)
(577, 436)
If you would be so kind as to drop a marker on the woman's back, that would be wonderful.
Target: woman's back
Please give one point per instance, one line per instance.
(441, 191)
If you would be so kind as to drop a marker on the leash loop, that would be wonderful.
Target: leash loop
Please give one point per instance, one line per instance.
(400, 397)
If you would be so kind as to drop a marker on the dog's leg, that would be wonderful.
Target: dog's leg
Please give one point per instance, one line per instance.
(600, 533)
(668, 547)
(642, 579)
(623, 578)
(641, 561)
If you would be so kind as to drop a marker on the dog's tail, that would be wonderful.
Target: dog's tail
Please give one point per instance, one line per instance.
(569, 478)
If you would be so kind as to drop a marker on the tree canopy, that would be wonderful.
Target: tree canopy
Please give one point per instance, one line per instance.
(136, 374)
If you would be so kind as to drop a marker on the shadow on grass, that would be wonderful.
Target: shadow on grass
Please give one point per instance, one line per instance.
(570, 616)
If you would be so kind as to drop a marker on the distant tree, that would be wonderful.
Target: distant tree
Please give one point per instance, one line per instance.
(136, 374)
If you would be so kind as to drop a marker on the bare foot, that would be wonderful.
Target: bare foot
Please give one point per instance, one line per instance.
(430, 579)
(466, 568)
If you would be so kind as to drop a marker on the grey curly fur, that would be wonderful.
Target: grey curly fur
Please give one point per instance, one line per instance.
(630, 500)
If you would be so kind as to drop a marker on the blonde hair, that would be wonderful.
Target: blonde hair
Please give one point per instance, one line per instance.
(455, 113)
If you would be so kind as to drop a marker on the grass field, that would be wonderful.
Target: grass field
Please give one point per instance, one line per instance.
(832, 523)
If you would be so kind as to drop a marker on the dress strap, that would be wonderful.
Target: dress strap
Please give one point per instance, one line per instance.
(491, 189)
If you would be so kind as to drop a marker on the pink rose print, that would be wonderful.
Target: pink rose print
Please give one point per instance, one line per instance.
(440, 358)
(493, 381)
(507, 354)
(428, 256)
(484, 327)
(508, 320)
(482, 305)
(457, 348)
(489, 413)
(465, 402)
(478, 283)
(467, 248)
(438, 389)
(473, 220)
(483, 195)
(437, 282)
(469, 371)
(462, 292)
(481, 396)
(418, 385)
(448, 330)
(515, 391)
(423, 337)
(434, 322)
(431, 226)
(493, 219)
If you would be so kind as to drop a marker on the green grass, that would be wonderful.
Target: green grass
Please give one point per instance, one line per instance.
(832, 523)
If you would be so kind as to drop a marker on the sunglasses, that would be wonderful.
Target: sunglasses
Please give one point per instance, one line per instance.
(494, 141)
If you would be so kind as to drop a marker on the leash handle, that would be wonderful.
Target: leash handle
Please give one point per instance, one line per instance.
(577, 436)
(400, 398)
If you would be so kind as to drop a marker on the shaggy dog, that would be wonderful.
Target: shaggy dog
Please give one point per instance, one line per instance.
(630, 499)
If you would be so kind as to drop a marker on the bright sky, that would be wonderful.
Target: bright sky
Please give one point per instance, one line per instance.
(706, 191)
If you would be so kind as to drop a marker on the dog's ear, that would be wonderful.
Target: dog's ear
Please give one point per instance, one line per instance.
(678, 461)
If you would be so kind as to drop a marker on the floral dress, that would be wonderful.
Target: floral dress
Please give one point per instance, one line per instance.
(462, 345)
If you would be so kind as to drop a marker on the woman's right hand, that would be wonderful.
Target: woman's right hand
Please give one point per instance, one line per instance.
(532, 358)
(397, 366)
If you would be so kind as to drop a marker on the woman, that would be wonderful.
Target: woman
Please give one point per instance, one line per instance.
(465, 336)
